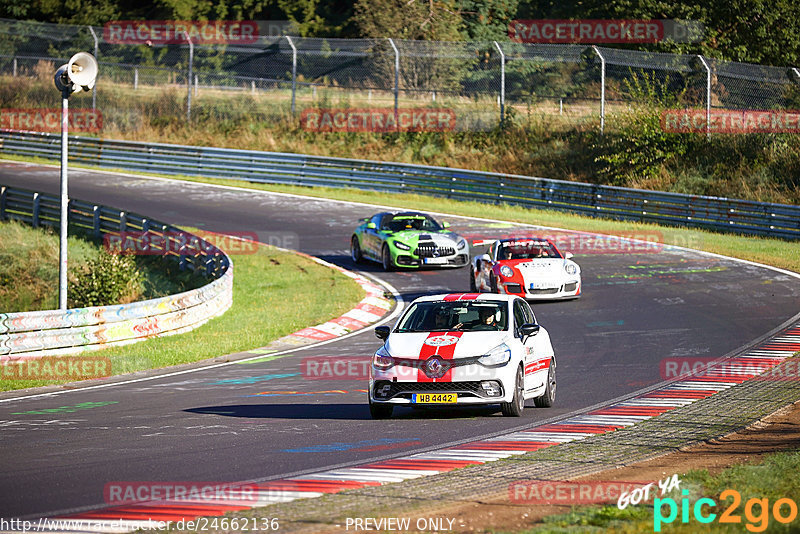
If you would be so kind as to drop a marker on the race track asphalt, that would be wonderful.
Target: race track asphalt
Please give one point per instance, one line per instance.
(250, 421)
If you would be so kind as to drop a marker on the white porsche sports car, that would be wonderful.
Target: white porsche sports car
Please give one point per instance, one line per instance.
(463, 349)
(529, 267)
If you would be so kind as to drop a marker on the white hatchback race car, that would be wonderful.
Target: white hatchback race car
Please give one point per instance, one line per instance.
(529, 267)
(463, 349)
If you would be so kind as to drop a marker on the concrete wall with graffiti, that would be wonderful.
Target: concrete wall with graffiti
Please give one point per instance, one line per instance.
(54, 332)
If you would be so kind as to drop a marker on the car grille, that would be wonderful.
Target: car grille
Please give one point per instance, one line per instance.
(430, 250)
(446, 365)
(552, 291)
(513, 288)
(406, 389)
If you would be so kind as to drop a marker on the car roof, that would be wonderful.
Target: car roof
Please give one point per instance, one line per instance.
(465, 297)
(524, 238)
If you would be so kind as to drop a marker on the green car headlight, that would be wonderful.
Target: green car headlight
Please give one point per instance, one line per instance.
(401, 245)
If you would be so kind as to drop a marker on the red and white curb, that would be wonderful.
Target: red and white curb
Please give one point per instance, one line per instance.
(370, 310)
(684, 391)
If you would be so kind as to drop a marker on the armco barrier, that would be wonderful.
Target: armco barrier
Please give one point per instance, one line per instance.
(54, 332)
(713, 213)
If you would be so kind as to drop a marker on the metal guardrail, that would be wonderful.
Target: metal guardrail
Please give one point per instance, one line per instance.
(54, 332)
(712, 213)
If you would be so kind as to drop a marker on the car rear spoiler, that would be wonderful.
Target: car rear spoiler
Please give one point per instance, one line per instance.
(483, 242)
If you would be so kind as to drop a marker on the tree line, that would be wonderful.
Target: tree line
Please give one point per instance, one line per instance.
(756, 31)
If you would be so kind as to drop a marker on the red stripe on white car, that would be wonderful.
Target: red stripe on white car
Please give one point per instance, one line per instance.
(461, 296)
(537, 366)
(445, 352)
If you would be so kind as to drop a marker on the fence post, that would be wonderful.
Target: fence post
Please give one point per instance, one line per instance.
(135, 78)
(15, 67)
(189, 78)
(708, 95)
(602, 89)
(3, 201)
(36, 210)
(502, 83)
(96, 221)
(94, 88)
(396, 77)
(294, 71)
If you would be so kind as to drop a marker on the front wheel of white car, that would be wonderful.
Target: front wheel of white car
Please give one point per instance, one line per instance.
(549, 396)
(517, 404)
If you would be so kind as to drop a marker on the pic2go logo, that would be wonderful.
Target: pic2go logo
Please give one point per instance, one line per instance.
(756, 511)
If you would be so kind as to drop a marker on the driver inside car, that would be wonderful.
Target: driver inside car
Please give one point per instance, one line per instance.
(487, 320)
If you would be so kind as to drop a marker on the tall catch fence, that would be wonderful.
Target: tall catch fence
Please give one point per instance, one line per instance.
(483, 82)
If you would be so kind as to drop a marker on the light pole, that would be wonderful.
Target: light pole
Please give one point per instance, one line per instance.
(77, 75)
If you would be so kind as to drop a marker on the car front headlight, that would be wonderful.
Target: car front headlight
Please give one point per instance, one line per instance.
(382, 360)
(462, 244)
(499, 355)
(571, 268)
(506, 271)
(401, 245)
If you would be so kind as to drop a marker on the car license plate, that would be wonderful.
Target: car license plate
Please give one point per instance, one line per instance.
(540, 285)
(434, 398)
(434, 261)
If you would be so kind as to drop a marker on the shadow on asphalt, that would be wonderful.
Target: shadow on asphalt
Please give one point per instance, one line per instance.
(351, 412)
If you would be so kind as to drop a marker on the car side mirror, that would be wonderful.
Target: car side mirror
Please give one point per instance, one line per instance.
(382, 332)
(568, 255)
(529, 329)
(371, 226)
(445, 224)
(485, 257)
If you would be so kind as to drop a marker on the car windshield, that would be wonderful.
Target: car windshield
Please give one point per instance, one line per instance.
(411, 221)
(526, 249)
(443, 316)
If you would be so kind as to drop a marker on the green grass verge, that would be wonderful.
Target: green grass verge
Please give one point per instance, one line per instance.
(275, 293)
(771, 479)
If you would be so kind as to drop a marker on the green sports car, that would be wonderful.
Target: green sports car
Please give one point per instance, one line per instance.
(408, 239)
